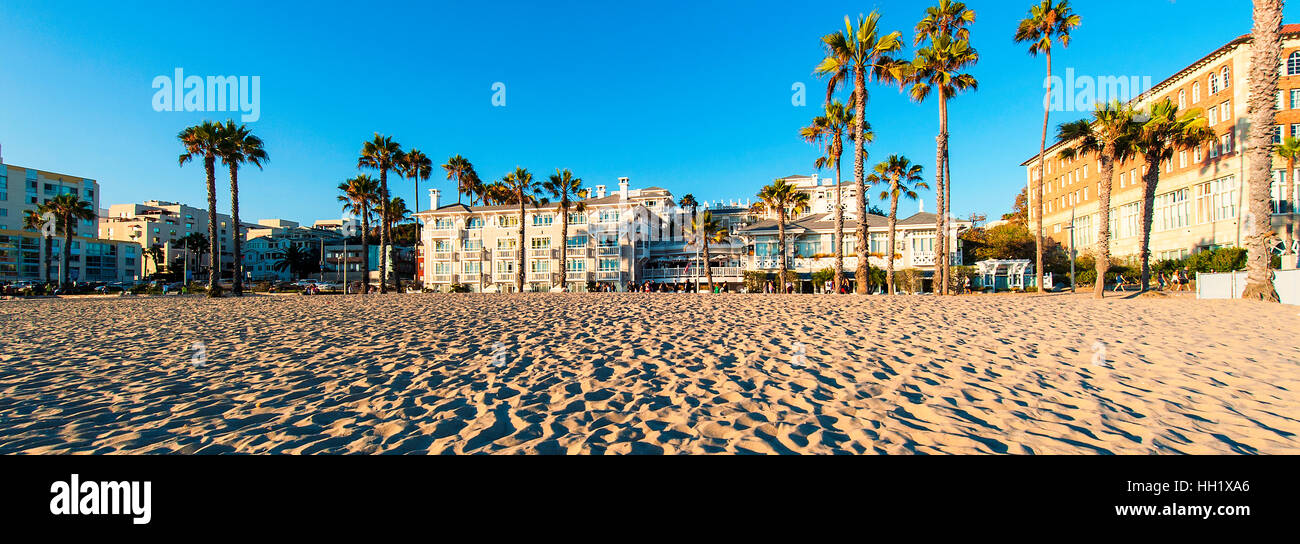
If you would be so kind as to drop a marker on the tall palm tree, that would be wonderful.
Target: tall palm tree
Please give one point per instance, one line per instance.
(1164, 130)
(523, 191)
(708, 229)
(859, 53)
(204, 141)
(460, 170)
(1109, 136)
(238, 146)
(904, 178)
(568, 190)
(394, 213)
(938, 67)
(1049, 21)
(360, 197)
(782, 200)
(1266, 56)
(416, 167)
(194, 244)
(1290, 152)
(155, 254)
(297, 261)
(34, 220)
(829, 130)
(688, 202)
(67, 210)
(382, 154)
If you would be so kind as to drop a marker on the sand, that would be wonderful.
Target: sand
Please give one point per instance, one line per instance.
(620, 373)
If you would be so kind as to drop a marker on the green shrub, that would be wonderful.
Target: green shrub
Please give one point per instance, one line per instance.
(458, 288)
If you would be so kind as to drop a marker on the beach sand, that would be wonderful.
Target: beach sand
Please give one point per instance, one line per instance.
(662, 373)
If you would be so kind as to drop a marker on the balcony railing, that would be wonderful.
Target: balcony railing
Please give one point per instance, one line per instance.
(505, 277)
(442, 255)
(682, 274)
(541, 254)
(442, 278)
(923, 259)
(608, 251)
(605, 275)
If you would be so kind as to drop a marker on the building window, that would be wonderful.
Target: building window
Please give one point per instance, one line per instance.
(577, 219)
(1295, 99)
(1196, 92)
(1182, 159)
(543, 220)
(443, 223)
(1293, 64)
(577, 241)
(474, 223)
(539, 266)
(1216, 200)
(1277, 134)
(507, 244)
(576, 265)
(1212, 115)
(471, 267)
(1225, 111)
(539, 243)
(1182, 99)
(1214, 83)
(1228, 144)
(608, 265)
(1227, 80)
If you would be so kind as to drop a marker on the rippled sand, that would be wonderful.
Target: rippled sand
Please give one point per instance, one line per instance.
(618, 373)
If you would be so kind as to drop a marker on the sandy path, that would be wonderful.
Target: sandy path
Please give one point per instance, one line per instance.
(649, 374)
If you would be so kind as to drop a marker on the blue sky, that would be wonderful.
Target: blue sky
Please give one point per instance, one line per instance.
(694, 96)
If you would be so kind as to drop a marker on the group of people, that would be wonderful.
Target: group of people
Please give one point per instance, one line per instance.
(1178, 280)
(651, 287)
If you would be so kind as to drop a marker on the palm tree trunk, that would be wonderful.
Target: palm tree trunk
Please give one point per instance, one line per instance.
(839, 227)
(384, 234)
(1107, 170)
(365, 251)
(1288, 200)
(67, 251)
(893, 223)
(46, 253)
(780, 240)
(214, 243)
(1042, 178)
(519, 274)
(1149, 183)
(564, 243)
(708, 266)
(1266, 56)
(859, 174)
(237, 285)
(941, 220)
(947, 216)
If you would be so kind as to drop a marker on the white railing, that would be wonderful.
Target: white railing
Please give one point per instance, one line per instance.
(609, 251)
(442, 278)
(683, 274)
(923, 259)
(507, 277)
(442, 255)
(539, 253)
(608, 276)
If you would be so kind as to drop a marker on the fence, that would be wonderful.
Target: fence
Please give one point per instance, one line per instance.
(1228, 286)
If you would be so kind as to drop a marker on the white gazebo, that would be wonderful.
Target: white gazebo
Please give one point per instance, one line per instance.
(1005, 274)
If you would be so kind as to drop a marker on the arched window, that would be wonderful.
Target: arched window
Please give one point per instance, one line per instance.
(1293, 64)
(1227, 77)
(1214, 83)
(1182, 100)
(1196, 92)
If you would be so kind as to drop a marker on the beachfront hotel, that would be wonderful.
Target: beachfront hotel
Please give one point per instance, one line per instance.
(641, 235)
(1200, 198)
(162, 224)
(22, 189)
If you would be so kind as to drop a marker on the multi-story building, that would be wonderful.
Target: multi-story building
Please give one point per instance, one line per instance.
(21, 251)
(160, 224)
(821, 193)
(631, 236)
(1200, 198)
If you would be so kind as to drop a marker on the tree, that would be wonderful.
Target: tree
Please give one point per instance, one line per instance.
(67, 210)
(707, 229)
(204, 141)
(382, 154)
(34, 220)
(829, 130)
(524, 191)
(1019, 210)
(238, 146)
(360, 196)
(1266, 56)
(196, 243)
(155, 253)
(1109, 135)
(460, 171)
(782, 200)
(1049, 21)
(568, 189)
(417, 166)
(1165, 130)
(298, 261)
(860, 52)
(904, 178)
(688, 202)
(938, 67)
(1290, 152)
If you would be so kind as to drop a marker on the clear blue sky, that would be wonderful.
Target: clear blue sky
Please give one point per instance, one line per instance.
(692, 95)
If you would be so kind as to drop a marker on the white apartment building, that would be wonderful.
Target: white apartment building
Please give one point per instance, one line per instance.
(157, 223)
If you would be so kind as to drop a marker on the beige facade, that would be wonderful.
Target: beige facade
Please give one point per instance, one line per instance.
(156, 223)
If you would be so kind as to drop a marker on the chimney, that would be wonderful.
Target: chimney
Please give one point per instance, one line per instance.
(816, 181)
(921, 204)
(622, 188)
(600, 191)
(434, 197)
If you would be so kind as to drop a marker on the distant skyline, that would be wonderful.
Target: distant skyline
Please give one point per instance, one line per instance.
(694, 97)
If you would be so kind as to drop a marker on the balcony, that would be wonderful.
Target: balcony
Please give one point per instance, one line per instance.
(606, 275)
(686, 274)
(442, 255)
(442, 278)
(609, 251)
(542, 253)
(923, 259)
(504, 277)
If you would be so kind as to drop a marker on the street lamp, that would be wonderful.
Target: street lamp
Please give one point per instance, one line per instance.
(1072, 250)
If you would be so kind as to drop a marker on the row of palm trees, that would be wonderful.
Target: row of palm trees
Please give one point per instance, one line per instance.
(1117, 132)
(864, 52)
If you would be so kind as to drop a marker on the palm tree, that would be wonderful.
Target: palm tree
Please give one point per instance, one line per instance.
(204, 141)
(360, 196)
(1266, 56)
(1288, 151)
(829, 130)
(34, 220)
(382, 154)
(939, 67)
(1165, 130)
(297, 261)
(708, 229)
(1049, 21)
(688, 202)
(1109, 135)
(523, 191)
(193, 243)
(569, 191)
(238, 145)
(67, 210)
(416, 167)
(858, 53)
(460, 170)
(904, 178)
(155, 253)
(782, 200)
(393, 214)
